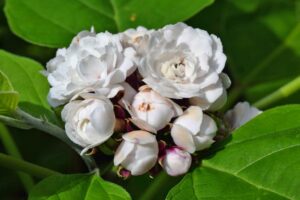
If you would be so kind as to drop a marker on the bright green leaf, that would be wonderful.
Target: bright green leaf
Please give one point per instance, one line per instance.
(8, 98)
(26, 78)
(5, 84)
(70, 187)
(8, 101)
(54, 22)
(260, 162)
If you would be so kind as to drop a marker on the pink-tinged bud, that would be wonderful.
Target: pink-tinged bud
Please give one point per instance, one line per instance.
(176, 161)
(123, 173)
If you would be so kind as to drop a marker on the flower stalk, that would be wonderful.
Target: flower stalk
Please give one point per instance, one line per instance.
(10, 162)
(12, 149)
(57, 132)
(283, 92)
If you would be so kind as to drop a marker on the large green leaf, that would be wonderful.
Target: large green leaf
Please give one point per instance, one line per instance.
(70, 187)
(26, 78)
(54, 22)
(261, 40)
(260, 162)
(8, 97)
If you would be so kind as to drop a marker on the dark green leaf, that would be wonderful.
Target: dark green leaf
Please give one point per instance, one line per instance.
(70, 187)
(260, 162)
(261, 40)
(53, 22)
(26, 78)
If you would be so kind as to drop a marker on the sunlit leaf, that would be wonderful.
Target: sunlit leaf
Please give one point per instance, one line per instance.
(260, 162)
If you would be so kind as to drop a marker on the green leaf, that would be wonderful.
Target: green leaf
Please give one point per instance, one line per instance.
(8, 98)
(269, 42)
(53, 22)
(261, 40)
(260, 162)
(8, 102)
(26, 78)
(5, 84)
(70, 187)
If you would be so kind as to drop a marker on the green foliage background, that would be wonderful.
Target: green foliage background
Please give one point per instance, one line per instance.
(262, 41)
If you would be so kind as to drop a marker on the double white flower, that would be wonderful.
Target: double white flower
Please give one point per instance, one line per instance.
(183, 62)
(175, 62)
(93, 62)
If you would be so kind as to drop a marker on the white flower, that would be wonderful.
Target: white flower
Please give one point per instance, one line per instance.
(134, 37)
(194, 131)
(137, 153)
(151, 111)
(240, 115)
(93, 62)
(176, 161)
(183, 62)
(89, 122)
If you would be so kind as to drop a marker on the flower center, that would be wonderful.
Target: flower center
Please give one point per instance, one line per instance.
(175, 71)
(145, 107)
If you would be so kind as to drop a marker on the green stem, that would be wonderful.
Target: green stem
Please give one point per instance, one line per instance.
(156, 186)
(57, 132)
(10, 162)
(279, 94)
(46, 127)
(11, 148)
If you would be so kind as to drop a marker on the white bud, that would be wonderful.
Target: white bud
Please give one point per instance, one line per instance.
(193, 130)
(176, 161)
(240, 114)
(137, 153)
(89, 122)
(151, 111)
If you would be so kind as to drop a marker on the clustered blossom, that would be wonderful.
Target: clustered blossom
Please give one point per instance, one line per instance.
(152, 93)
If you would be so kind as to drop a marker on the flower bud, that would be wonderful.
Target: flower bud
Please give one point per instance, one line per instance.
(176, 161)
(89, 122)
(240, 114)
(137, 153)
(193, 130)
(152, 112)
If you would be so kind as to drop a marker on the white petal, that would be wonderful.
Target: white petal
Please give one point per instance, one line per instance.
(191, 119)
(219, 59)
(139, 137)
(183, 138)
(129, 94)
(143, 165)
(176, 162)
(124, 149)
(143, 125)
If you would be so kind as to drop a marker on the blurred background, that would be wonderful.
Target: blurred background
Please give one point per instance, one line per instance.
(260, 37)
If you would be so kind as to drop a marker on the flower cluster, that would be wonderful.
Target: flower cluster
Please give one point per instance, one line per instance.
(152, 92)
